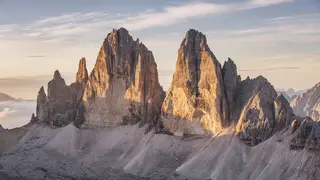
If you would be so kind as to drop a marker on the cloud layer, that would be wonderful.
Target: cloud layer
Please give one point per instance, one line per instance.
(16, 114)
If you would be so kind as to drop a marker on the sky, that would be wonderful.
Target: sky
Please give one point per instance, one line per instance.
(279, 39)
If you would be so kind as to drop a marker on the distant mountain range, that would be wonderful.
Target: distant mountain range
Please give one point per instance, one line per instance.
(5, 97)
(290, 93)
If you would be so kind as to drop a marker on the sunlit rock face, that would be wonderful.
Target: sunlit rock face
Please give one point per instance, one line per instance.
(123, 87)
(61, 105)
(308, 103)
(206, 99)
(196, 102)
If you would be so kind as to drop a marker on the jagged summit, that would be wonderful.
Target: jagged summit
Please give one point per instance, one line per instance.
(308, 103)
(204, 98)
(196, 100)
(123, 87)
(61, 105)
(57, 75)
(82, 74)
(197, 41)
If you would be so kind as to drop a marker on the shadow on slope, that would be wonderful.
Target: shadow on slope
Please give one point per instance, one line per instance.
(94, 153)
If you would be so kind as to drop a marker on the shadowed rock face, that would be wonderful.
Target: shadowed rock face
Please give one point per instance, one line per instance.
(196, 101)
(123, 86)
(306, 134)
(42, 111)
(231, 82)
(61, 105)
(256, 104)
(262, 113)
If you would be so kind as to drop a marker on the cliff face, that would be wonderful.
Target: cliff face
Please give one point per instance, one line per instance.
(261, 113)
(61, 105)
(196, 101)
(205, 99)
(123, 87)
(231, 81)
(308, 103)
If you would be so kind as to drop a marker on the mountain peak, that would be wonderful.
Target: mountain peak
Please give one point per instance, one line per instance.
(82, 74)
(57, 75)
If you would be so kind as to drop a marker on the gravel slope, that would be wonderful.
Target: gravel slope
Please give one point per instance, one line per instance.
(128, 153)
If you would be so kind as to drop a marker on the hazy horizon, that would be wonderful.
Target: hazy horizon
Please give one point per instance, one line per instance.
(278, 39)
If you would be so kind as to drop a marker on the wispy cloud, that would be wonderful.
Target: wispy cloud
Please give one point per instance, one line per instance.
(262, 3)
(289, 29)
(36, 56)
(74, 25)
(305, 57)
(271, 69)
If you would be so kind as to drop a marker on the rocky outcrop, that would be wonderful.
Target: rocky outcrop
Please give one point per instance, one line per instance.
(196, 102)
(82, 74)
(61, 101)
(78, 88)
(283, 113)
(42, 112)
(306, 134)
(308, 103)
(262, 113)
(255, 103)
(231, 81)
(62, 105)
(205, 99)
(123, 87)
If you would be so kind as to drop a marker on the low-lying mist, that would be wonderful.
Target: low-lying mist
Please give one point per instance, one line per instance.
(15, 114)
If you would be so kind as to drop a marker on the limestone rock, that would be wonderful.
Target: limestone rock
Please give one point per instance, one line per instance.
(78, 89)
(123, 86)
(82, 74)
(307, 134)
(308, 103)
(63, 103)
(33, 119)
(42, 112)
(231, 82)
(283, 112)
(196, 102)
(256, 103)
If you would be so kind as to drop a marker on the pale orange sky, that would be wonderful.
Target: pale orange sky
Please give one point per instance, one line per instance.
(278, 39)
